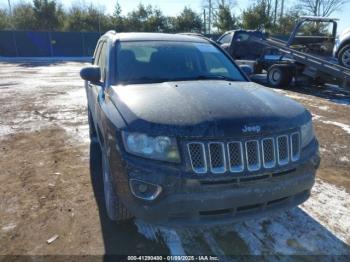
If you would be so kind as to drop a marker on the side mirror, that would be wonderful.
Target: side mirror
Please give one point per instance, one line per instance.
(246, 69)
(91, 73)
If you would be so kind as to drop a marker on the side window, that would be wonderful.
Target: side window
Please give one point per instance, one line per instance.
(226, 39)
(241, 37)
(102, 61)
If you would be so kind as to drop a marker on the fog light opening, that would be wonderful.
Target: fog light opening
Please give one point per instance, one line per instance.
(144, 190)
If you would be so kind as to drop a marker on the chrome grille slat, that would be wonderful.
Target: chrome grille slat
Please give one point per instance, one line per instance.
(282, 150)
(295, 146)
(252, 152)
(219, 157)
(235, 156)
(198, 157)
(268, 152)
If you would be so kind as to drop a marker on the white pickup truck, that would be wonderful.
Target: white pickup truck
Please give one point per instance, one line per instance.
(342, 48)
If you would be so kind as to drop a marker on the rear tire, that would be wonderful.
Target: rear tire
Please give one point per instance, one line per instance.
(344, 56)
(279, 75)
(116, 211)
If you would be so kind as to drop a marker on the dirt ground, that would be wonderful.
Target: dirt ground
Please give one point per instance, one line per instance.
(47, 187)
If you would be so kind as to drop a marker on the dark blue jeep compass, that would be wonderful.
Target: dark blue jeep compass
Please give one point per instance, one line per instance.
(187, 139)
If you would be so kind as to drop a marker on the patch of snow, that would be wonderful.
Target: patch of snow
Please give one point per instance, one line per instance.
(324, 108)
(294, 96)
(344, 159)
(168, 235)
(315, 117)
(5, 130)
(8, 227)
(323, 150)
(341, 101)
(330, 206)
(345, 127)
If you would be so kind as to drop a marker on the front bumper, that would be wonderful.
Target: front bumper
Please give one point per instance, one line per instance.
(187, 201)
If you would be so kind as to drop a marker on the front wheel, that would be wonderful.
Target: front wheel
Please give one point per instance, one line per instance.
(116, 211)
(344, 56)
(279, 75)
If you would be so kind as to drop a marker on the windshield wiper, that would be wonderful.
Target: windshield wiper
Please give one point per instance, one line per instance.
(213, 77)
(141, 80)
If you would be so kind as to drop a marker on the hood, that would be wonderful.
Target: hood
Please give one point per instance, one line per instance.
(205, 108)
(345, 32)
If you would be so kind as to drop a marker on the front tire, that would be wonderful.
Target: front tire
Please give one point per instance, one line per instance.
(279, 75)
(344, 56)
(116, 211)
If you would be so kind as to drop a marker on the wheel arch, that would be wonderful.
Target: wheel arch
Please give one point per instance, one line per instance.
(344, 43)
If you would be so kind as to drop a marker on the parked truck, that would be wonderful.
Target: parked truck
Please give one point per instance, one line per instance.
(302, 57)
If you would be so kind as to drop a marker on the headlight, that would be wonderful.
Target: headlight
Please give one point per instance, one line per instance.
(159, 148)
(307, 134)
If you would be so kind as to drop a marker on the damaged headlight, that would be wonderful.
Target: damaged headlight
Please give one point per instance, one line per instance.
(160, 147)
(307, 133)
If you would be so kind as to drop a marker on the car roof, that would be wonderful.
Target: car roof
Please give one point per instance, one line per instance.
(155, 37)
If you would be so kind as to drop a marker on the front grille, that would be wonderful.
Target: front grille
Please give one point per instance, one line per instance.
(219, 157)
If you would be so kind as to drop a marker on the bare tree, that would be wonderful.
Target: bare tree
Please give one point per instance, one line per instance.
(322, 8)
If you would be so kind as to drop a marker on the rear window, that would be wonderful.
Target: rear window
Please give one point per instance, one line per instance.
(156, 61)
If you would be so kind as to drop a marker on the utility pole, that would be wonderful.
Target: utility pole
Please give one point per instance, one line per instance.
(10, 8)
(209, 20)
(10, 12)
(205, 21)
(275, 14)
(282, 9)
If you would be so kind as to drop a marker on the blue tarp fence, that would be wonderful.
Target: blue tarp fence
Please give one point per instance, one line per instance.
(47, 44)
(50, 44)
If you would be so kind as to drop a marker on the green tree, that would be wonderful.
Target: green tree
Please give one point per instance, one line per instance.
(75, 19)
(146, 19)
(96, 20)
(47, 14)
(187, 21)
(258, 15)
(136, 19)
(156, 22)
(117, 19)
(23, 17)
(4, 20)
(286, 23)
(87, 19)
(225, 20)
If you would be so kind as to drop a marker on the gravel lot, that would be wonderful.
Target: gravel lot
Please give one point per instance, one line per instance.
(47, 187)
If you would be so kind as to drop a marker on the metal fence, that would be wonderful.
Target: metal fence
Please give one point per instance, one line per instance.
(47, 44)
(50, 44)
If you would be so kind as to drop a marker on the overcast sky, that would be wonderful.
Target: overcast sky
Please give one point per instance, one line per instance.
(174, 7)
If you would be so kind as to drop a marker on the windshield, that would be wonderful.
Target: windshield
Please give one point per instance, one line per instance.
(160, 61)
